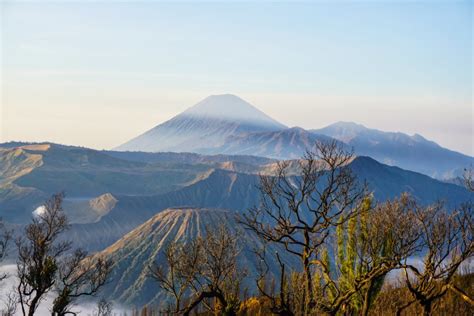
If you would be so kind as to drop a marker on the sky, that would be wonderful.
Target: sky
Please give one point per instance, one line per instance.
(98, 73)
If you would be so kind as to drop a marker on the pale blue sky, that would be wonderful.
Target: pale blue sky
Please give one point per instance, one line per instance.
(98, 73)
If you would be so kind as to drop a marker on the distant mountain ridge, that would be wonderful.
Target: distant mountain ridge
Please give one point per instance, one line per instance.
(226, 124)
(238, 192)
(110, 193)
(398, 149)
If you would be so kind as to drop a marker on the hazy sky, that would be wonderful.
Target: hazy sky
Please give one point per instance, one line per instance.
(99, 73)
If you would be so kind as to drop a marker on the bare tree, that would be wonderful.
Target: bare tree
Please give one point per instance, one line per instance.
(448, 240)
(289, 298)
(175, 278)
(469, 179)
(104, 308)
(78, 276)
(11, 299)
(204, 269)
(5, 237)
(44, 263)
(11, 304)
(217, 274)
(38, 253)
(299, 212)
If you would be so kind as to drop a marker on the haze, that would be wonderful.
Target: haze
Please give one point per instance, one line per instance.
(98, 74)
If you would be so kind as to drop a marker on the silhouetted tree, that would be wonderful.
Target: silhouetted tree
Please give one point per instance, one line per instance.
(11, 299)
(175, 278)
(43, 263)
(291, 285)
(5, 237)
(38, 253)
(11, 304)
(305, 212)
(299, 212)
(78, 276)
(104, 308)
(469, 178)
(206, 268)
(448, 240)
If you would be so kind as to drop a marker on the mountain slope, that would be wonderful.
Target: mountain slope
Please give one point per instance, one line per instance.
(31, 173)
(238, 192)
(388, 182)
(291, 143)
(108, 196)
(220, 189)
(408, 152)
(205, 125)
(187, 158)
(84, 211)
(132, 255)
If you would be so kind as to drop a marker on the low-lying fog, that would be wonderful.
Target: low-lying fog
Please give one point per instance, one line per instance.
(90, 308)
(8, 286)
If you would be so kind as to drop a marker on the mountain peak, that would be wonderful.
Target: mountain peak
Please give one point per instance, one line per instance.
(224, 96)
(343, 131)
(348, 130)
(419, 138)
(207, 124)
(297, 129)
(232, 108)
(348, 125)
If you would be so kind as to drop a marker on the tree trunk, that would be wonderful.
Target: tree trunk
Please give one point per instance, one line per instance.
(309, 284)
(178, 306)
(366, 304)
(32, 307)
(426, 308)
(402, 308)
(203, 295)
(462, 294)
(309, 302)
